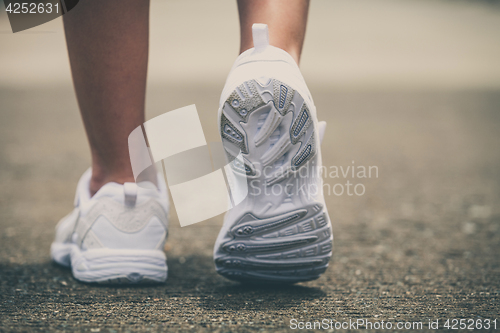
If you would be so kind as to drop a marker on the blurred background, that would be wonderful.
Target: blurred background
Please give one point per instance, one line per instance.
(409, 86)
(362, 44)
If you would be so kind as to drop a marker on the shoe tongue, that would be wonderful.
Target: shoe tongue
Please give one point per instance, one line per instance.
(127, 193)
(111, 190)
(262, 50)
(260, 35)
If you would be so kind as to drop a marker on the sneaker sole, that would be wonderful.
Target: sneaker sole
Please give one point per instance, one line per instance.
(295, 245)
(110, 266)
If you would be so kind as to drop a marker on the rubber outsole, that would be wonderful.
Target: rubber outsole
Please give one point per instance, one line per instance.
(293, 246)
(110, 266)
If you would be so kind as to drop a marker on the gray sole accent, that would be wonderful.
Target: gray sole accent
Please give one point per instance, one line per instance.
(294, 246)
(288, 251)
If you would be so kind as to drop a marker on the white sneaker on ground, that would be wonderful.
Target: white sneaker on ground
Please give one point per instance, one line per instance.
(281, 232)
(116, 236)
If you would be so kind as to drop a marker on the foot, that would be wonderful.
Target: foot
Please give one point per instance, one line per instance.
(116, 236)
(281, 232)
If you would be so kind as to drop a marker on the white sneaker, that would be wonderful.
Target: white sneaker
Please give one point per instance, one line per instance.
(117, 236)
(281, 232)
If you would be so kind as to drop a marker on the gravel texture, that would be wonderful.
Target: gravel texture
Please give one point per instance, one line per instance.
(421, 243)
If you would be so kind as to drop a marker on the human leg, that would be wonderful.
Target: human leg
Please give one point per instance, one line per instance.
(108, 50)
(286, 19)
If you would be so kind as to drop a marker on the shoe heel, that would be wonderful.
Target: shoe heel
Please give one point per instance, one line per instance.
(115, 266)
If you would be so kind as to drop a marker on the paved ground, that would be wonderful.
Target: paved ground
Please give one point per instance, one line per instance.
(421, 243)
(420, 102)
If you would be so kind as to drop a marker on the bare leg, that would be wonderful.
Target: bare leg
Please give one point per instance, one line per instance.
(286, 20)
(108, 50)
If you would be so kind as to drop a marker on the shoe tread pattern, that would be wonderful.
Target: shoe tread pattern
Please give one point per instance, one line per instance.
(290, 247)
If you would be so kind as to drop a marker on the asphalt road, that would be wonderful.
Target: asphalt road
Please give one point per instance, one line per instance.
(411, 88)
(420, 244)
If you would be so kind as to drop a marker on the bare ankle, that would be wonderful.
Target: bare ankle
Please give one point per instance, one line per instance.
(98, 180)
